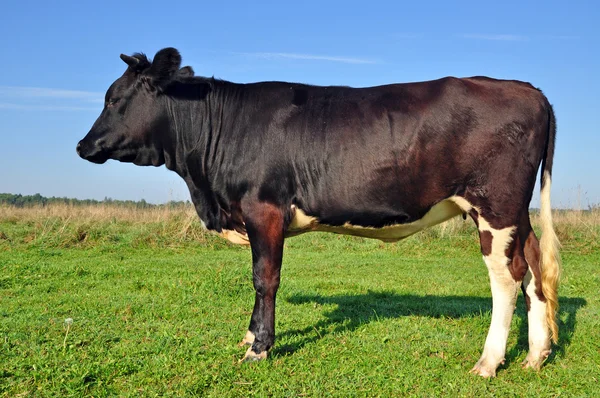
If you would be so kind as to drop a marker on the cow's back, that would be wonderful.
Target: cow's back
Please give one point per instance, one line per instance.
(385, 155)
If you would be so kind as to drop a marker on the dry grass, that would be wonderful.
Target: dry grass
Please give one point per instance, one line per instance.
(93, 213)
(567, 222)
(571, 226)
(65, 225)
(578, 230)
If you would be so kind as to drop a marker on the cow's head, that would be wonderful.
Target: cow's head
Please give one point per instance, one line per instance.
(134, 124)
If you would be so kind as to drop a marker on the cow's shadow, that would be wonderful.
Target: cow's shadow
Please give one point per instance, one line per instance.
(351, 311)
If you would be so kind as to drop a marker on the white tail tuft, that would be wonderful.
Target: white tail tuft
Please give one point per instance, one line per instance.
(550, 258)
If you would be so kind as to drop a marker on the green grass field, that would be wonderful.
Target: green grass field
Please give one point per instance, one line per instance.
(158, 307)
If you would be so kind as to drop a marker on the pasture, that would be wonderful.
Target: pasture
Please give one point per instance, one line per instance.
(158, 307)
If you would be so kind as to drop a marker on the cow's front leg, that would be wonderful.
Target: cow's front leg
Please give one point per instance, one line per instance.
(265, 225)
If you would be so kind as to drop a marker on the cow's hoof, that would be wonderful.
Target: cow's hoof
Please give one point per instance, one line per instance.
(484, 369)
(251, 356)
(247, 340)
(535, 361)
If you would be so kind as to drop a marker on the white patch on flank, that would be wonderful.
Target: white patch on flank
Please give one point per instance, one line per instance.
(504, 298)
(501, 239)
(462, 203)
(439, 213)
(235, 237)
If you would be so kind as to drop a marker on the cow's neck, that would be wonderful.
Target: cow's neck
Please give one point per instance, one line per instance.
(195, 151)
(197, 121)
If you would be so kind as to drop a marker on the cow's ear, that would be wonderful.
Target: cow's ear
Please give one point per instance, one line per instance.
(131, 61)
(137, 63)
(165, 65)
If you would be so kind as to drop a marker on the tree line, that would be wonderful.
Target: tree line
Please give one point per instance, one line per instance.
(19, 200)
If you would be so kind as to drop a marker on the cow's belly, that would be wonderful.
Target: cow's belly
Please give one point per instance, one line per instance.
(439, 213)
(302, 223)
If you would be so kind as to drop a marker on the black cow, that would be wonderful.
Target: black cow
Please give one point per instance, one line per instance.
(270, 160)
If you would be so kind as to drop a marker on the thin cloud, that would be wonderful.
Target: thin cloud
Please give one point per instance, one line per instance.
(43, 92)
(48, 99)
(494, 37)
(21, 107)
(560, 37)
(310, 57)
(408, 36)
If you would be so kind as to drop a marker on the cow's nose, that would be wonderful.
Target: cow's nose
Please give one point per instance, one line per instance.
(78, 149)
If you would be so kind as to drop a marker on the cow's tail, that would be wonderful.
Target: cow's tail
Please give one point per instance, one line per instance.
(549, 244)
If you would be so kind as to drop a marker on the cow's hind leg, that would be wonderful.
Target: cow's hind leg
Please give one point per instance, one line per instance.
(498, 246)
(539, 336)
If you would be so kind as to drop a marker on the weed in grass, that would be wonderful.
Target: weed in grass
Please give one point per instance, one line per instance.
(68, 323)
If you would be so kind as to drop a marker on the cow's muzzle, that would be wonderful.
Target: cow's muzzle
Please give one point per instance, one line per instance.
(91, 152)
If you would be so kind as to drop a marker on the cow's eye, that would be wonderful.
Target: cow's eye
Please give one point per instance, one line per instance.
(111, 102)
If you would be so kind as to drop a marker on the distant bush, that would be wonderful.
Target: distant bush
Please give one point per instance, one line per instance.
(19, 200)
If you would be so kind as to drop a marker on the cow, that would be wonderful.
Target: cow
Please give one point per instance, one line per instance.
(270, 160)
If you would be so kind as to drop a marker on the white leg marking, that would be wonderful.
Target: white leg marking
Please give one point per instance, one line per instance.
(248, 339)
(539, 337)
(251, 356)
(504, 297)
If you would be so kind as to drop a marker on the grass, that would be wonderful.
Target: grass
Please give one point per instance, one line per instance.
(158, 306)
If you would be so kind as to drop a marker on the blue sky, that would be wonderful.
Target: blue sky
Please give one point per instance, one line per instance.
(57, 61)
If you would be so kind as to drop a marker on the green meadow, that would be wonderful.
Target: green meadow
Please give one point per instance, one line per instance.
(116, 301)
